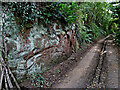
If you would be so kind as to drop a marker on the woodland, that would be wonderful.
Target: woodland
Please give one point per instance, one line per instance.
(92, 21)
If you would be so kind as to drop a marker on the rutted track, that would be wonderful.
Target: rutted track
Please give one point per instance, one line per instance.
(106, 73)
(100, 74)
(94, 70)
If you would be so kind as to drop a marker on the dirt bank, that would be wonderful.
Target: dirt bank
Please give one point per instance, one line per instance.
(88, 68)
(59, 71)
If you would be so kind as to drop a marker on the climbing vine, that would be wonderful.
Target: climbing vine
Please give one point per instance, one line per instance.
(25, 13)
(94, 19)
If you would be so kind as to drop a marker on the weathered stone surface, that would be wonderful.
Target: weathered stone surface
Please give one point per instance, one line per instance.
(31, 49)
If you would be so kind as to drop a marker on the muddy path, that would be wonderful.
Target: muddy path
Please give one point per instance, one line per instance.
(97, 69)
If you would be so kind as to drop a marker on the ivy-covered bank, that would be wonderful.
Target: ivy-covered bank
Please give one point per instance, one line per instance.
(38, 35)
(36, 38)
(92, 19)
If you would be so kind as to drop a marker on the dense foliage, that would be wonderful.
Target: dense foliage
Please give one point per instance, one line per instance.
(25, 13)
(92, 20)
(98, 19)
(116, 23)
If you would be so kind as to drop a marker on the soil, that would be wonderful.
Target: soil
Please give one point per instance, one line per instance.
(53, 76)
(81, 69)
(105, 74)
(119, 67)
(112, 65)
(78, 77)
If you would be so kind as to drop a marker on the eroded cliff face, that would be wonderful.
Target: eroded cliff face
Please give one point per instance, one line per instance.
(31, 50)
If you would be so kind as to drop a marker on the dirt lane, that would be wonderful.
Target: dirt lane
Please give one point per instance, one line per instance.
(112, 58)
(98, 69)
(77, 78)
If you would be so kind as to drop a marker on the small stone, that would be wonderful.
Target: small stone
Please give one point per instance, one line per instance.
(80, 57)
(59, 81)
(66, 75)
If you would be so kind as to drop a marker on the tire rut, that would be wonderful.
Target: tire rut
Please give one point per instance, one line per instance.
(106, 71)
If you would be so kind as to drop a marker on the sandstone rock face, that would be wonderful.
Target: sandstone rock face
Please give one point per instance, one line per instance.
(30, 50)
